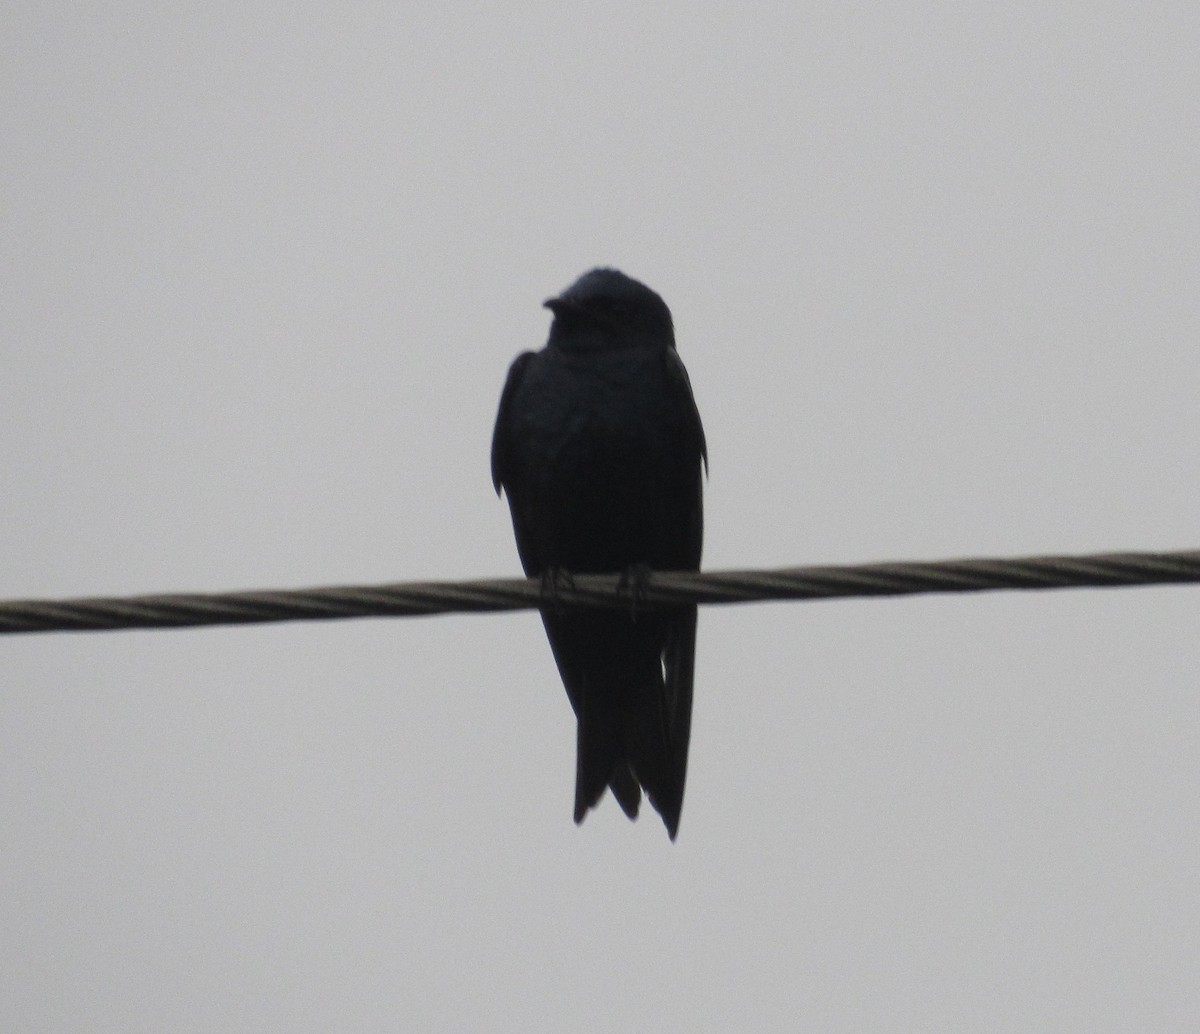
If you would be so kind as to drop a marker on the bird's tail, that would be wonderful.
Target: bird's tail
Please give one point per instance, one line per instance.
(634, 722)
(659, 751)
(601, 761)
(656, 763)
(634, 747)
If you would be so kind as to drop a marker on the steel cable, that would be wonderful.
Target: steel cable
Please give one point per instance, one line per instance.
(188, 610)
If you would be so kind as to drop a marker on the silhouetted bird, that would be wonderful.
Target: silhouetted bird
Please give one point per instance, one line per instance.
(599, 448)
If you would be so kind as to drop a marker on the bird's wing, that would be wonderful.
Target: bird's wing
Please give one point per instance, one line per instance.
(679, 653)
(681, 389)
(694, 454)
(511, 468)
(679, 660)
(502, 467)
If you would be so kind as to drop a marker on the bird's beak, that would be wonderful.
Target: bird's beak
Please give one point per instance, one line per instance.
(557, 305)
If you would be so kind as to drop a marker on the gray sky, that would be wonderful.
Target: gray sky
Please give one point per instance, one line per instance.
(934, 274)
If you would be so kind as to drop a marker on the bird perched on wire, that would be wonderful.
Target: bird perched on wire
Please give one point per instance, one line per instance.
(599, 448)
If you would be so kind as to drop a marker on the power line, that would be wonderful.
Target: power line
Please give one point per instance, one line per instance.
(413, 599)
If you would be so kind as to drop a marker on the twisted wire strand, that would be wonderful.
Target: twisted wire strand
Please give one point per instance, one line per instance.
(188, 610)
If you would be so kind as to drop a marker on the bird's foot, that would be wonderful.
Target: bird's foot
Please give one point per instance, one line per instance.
(635, 580)
(554, 581)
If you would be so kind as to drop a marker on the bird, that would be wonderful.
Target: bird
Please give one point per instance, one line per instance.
(599, 449)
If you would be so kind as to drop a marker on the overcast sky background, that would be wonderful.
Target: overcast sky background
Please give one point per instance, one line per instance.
(934, 273)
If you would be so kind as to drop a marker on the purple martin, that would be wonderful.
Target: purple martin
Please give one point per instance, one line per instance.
(598, 447)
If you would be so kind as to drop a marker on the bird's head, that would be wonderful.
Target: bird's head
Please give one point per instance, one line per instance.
(605, 309)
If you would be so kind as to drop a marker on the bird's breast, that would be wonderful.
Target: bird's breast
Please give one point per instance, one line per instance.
(604, 462)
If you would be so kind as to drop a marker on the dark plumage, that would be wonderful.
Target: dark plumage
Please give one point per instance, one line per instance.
(598, 447)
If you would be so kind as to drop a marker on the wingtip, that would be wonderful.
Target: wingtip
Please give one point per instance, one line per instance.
(669, 810)
(626, 790)
(670, 819)
(672, 824)
(586, 800)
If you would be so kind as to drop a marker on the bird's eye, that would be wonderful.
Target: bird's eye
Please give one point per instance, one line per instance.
(615, 309)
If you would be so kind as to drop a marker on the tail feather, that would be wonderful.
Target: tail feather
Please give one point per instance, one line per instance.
(630, 684)
(664, 720)
(654, 761)
(599, 761)
(626, 790)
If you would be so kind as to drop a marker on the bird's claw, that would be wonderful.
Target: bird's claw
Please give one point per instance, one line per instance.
(635, 580)
(554, 580)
